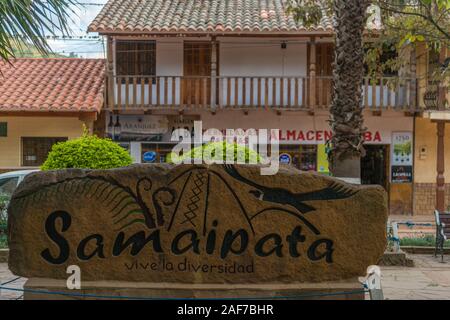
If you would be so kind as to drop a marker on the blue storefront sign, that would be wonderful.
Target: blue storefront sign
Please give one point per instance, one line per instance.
(149, 156)
(285, 158)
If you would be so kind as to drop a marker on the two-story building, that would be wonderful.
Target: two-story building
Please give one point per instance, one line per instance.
(246, 64)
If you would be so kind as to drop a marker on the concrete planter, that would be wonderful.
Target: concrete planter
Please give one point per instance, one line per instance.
(422, 250)
(4, 255)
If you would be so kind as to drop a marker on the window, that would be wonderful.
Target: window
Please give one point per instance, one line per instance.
(3, 129)
(134, 58)
(8, 185)
(161, 151)
(35, 150)
(304, 157)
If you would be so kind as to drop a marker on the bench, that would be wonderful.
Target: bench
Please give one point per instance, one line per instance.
(442, 231)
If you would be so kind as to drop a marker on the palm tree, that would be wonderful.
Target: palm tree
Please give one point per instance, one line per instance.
(346, 116)
(27, 22)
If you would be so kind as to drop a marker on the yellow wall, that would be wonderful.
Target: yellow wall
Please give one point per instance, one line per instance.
(10, 147)
(426, 136)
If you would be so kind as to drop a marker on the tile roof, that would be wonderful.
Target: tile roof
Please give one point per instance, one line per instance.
(63, 85)
(202, 16)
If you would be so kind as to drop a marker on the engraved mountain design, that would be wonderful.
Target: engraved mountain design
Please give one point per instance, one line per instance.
(186, 203)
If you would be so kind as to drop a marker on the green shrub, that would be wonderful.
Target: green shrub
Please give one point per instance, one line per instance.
(208, 149)
(4, 200)
(422, 241)
(87, 152)
(3, 224)
(3, 241)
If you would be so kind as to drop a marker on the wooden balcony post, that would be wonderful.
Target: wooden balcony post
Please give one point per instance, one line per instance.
(440, 179)
(442, 90)
(312, 73)
(110, 72)
(213, 73)
(413, 80)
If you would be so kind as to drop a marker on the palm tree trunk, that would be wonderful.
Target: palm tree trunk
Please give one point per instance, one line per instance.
(346, 118)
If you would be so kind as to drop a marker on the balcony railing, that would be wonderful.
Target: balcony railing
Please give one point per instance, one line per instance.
(308, 93)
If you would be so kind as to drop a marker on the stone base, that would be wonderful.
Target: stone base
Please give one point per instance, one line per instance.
(4, 253)
(142, 290)
(399, 259)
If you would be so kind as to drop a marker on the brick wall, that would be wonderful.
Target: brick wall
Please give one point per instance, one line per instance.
(425, 198)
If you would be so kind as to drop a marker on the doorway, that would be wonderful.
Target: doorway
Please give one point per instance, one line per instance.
(324, 73)
(196, 70)
(374, 166)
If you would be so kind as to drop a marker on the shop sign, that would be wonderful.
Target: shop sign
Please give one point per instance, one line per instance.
(401, 174)
(402, 157)
(321, 136)
(149, 156)
(285, 158)
(138, 127)
(295, 136)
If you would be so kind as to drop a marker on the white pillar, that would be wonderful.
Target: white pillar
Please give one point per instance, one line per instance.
(135, 152)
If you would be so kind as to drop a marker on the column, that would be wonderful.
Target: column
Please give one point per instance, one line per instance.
(213, 73)
(135, 152)
(440, 180)
(110, 73)
(312, 73)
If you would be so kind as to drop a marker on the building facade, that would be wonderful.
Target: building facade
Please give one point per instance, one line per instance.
(45, 101)
(248, 64)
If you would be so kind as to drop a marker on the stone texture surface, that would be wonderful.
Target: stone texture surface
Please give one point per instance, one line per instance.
(429, 279)
(400, 259)
(339, 290)
(342, 227)
(4, 253)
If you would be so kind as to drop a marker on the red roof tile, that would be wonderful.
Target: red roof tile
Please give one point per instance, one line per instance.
(202, 16)
(60, 84)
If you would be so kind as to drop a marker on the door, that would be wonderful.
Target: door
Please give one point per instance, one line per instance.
(197, 72)
(324, 72)
(374, 165)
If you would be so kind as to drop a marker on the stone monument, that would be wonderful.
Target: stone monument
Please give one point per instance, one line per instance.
(195, 231)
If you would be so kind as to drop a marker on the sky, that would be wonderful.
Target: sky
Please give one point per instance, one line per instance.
(80, 19)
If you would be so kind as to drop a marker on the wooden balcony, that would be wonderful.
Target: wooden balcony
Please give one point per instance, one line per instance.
(281, 93)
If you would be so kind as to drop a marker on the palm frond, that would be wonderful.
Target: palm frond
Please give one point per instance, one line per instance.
(29, 22)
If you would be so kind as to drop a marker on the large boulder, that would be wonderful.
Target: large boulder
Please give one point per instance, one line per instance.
(195, 224)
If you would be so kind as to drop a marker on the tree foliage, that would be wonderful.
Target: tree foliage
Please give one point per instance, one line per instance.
(404, 24)
(27, 22)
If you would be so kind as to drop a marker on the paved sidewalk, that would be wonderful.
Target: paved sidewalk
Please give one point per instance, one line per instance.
(5, 276)
(428, 280)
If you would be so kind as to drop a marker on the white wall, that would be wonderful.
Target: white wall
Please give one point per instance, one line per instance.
(169, 57)
(262, 57)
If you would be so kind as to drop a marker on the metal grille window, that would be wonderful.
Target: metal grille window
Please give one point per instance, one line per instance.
(35, 150)
(136, 58)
